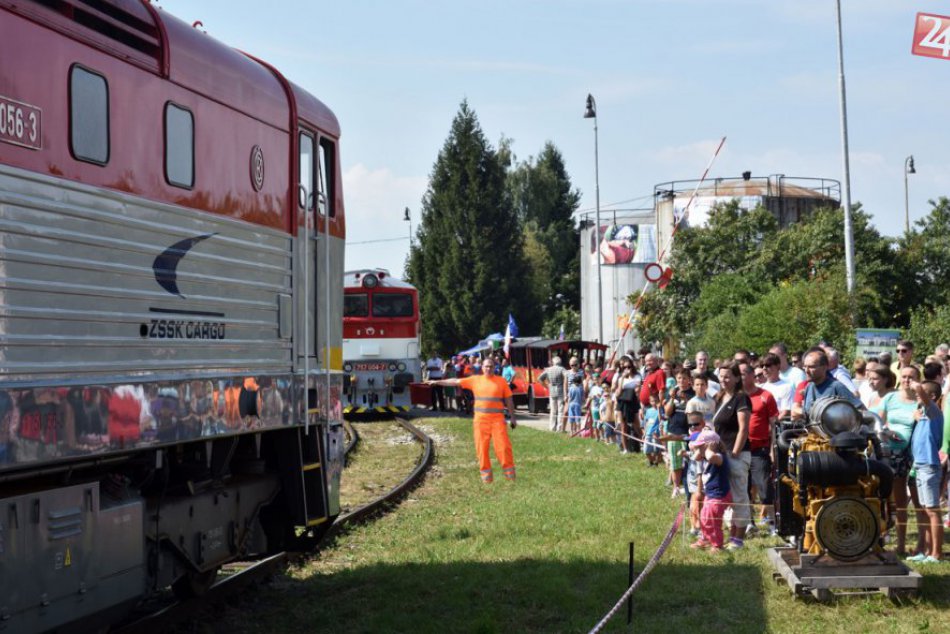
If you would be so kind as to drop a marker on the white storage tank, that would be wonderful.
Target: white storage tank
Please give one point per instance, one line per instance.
(625, 245)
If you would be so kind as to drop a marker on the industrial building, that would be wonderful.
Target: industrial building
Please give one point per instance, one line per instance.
(630, 240)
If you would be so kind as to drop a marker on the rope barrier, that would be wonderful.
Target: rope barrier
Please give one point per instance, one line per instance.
(654, 560)
(632, 437)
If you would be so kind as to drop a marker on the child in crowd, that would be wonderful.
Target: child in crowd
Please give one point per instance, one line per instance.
(694, 471)
(595, 395)
(651, 423)
(607, 411)
(670, 372)
(708, 447)
(575, 402)
(676, 428)
(925, 444)
(702, 402)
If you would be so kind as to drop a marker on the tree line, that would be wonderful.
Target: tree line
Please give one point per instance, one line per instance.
(497, 236)
(741, 282)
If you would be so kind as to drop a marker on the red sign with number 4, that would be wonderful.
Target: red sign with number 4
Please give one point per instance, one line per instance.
(932, 36)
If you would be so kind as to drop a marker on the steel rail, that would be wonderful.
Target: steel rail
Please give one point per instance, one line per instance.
(226, 587)
(354, 438)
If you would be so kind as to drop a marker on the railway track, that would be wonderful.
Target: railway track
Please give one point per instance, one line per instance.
(239, 575)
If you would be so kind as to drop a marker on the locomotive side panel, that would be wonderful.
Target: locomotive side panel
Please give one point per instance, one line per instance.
(97, 283)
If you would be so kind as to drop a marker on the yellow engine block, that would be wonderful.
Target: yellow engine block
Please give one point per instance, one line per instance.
(844, 521)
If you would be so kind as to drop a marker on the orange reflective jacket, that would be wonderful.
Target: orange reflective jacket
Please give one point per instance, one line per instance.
(490, 393)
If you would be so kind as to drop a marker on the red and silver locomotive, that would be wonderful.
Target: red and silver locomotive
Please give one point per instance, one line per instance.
(171, 251)
(380, 342)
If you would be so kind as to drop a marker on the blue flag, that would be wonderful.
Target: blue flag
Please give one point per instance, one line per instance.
(560, 335)
(512, 326)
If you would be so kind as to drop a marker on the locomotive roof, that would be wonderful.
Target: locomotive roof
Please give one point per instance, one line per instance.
(149, 37)
(352, 279)
(198, 61)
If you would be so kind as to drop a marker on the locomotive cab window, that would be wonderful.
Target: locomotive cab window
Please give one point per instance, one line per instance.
(306, 172)
(88, 116)
(392, 305)
(179, 146)
(356, 305)
(326, 174)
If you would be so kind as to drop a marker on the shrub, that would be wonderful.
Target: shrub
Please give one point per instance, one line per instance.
(928, 329)
(799, 313)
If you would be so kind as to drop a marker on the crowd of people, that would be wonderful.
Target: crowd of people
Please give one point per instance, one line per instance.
(710, 423)
(454, 399)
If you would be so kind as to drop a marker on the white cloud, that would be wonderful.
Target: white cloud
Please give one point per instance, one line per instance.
(868, 160)
(824, 12)
(812, 85)
(736, 45)
(375, 201)
(691, 155)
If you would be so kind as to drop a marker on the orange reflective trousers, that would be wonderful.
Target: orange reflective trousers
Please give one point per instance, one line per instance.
(493, 432)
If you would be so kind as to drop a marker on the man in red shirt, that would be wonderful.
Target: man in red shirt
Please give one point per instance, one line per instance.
(492, 396)
(761, 422)
(654, 380)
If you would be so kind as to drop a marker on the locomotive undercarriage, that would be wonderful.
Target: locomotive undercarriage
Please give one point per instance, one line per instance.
(88, 542)
(86, 536)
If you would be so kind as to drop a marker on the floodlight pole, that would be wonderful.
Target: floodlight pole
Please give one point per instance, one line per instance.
(908, 169)
(846, 185)
(591, 113)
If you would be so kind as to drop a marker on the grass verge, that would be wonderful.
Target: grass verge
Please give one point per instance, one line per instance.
(385, 455)
(548, 554)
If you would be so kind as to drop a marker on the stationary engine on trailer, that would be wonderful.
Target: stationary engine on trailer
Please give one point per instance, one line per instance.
(834, 482)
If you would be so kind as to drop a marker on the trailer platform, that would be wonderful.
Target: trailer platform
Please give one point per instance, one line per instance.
(824, 578)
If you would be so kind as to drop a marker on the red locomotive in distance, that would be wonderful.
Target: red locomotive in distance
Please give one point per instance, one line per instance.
(172, 223)
(380, 342)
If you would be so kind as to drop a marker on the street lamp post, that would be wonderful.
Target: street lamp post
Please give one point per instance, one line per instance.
(591, 113)
(908, 169)
(408, 219)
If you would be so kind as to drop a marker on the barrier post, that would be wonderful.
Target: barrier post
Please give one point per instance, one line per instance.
(630, 583)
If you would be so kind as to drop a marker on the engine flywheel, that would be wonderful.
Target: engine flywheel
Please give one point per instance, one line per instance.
(846, 528)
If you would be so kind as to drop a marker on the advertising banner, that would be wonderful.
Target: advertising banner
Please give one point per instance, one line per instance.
(873, 341)
(625, 244)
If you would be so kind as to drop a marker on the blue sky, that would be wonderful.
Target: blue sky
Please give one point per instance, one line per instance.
(670, 78)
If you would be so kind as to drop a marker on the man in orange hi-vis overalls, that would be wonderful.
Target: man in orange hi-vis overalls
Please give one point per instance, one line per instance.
(492, 397)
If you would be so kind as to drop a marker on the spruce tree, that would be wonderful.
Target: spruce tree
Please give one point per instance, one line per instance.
(468, 262)
(546, 203)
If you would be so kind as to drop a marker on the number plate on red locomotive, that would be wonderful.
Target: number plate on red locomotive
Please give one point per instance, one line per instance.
(20, 123)
(370, 367)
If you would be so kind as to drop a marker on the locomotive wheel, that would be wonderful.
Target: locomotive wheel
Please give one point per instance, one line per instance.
(532, 402)
(194, 584)
(847, 528)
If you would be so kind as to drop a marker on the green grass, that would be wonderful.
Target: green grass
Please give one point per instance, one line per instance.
(384, 456)
(548, 554)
